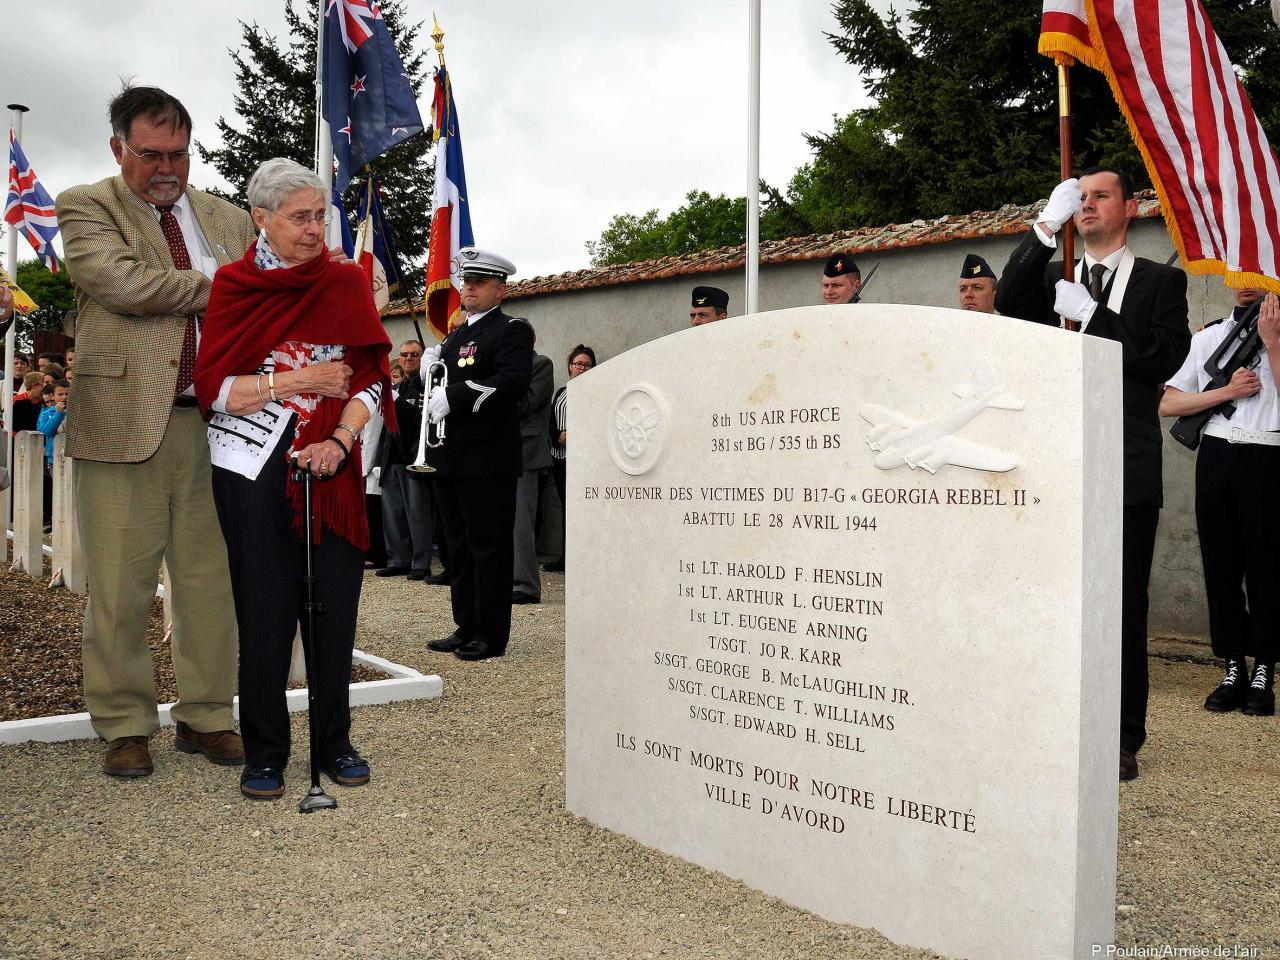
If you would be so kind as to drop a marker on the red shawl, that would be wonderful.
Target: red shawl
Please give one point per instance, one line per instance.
(252, 311)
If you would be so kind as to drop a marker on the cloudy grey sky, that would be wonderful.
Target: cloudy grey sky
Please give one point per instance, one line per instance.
(571, 111)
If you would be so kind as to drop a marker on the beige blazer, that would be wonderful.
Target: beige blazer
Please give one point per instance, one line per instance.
(133, 309)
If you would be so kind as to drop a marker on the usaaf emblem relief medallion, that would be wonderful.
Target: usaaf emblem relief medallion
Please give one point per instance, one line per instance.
(637, 428)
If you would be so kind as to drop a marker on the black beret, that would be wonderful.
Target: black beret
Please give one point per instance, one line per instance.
(975, 266)
(839, 265)
(710, 297)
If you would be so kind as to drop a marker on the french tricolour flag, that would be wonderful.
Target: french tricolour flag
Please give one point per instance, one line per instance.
(451, 216)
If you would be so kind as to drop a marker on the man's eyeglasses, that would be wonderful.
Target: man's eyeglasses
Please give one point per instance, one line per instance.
(581, 365)
(300, 220)
(152, 158)
(409, 355)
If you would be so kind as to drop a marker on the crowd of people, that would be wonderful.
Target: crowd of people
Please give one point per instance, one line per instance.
(226, 354)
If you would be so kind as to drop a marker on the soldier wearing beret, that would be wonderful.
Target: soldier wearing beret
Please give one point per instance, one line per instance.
(841, 279)
(977, 285)
(709, 305)
(489, 359)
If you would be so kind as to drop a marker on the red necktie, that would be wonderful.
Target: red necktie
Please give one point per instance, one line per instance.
(181, 261)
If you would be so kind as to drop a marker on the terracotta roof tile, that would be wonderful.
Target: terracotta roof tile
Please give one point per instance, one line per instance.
(1009, 219)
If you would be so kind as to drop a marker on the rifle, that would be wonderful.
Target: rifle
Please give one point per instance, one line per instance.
(857, 297)
(1239, 351)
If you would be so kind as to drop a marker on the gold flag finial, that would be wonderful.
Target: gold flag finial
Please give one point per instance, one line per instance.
(437, 34)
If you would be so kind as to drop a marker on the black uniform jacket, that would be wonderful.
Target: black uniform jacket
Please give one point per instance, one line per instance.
(402, 448)
(1151, 328)
(489, 364)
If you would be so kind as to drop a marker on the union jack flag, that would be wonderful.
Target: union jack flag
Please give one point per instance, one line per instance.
(29, 209)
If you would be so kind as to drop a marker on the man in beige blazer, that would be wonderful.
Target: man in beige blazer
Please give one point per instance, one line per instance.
(141, 249)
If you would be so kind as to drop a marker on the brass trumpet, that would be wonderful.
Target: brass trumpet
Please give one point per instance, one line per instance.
(425, 438)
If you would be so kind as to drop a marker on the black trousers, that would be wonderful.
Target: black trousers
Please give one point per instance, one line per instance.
(1239, 526)
(559, 475)
(479, 516)
(268, 563)
(1139, 535)
(377, 552)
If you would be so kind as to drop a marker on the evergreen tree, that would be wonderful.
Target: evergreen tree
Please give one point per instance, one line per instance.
(275, 105)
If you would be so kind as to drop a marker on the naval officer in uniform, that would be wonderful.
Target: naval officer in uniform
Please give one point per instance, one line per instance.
(490, 360)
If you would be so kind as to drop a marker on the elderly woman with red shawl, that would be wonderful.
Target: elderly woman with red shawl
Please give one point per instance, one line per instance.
(292, 364)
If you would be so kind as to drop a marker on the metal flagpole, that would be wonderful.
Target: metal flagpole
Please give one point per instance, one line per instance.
(1064, 169)
(324, 142)
(753, 157)
(6, 395)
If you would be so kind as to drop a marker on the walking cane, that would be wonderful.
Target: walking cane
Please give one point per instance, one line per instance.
(316, 798)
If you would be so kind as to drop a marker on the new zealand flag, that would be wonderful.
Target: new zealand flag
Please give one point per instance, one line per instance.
(367, 98)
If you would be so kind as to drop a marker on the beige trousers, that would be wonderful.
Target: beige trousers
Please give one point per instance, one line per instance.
(132, 515)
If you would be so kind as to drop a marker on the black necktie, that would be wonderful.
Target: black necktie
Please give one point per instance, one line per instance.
(1095, 281)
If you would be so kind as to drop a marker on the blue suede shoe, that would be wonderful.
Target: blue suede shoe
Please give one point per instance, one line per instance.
(262, 783)
(348, 770)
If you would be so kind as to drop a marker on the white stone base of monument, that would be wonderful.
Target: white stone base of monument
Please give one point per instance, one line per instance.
(28, 503)
(405, 684)
(842, 617)
(68, 556)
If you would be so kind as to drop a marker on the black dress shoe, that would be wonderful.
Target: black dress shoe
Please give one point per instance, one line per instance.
(449, 644)
(554, 566)
(519, 596)
(392, 572)
(417, 574)
(1233, 689)
(440, 579)
(1128, 765)
(1261, 699)
(476, 650)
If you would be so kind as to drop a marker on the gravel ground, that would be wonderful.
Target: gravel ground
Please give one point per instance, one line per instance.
(40, 664)
(462, 848)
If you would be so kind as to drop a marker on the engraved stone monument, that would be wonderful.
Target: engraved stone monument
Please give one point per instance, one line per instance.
(843, 616)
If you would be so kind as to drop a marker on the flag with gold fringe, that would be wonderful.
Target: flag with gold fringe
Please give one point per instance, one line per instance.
(1206, 153)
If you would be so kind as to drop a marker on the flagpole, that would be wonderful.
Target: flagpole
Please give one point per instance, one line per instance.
(16, 110)
(753, 157)
(324, 141)
(1064, 63)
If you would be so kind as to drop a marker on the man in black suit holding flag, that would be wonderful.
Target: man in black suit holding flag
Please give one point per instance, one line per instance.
(1142, 305)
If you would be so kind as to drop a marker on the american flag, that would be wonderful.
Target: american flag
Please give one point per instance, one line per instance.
(28, 208)
(1205, 151)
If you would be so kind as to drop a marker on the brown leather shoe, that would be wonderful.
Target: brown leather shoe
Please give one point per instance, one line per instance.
(128, 757)
(221, 746)
(1128, 765)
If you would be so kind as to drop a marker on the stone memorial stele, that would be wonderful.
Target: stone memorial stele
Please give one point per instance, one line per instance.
(843, 611)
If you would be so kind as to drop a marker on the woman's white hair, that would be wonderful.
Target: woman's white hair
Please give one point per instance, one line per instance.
(278, 177)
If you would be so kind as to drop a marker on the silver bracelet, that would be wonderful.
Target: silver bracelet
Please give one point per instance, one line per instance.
(257, 385)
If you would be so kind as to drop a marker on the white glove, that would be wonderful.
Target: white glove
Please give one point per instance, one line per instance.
(431, 354)
(437, 405)
(1073, 301)
(1062, 206)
